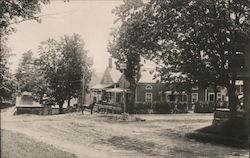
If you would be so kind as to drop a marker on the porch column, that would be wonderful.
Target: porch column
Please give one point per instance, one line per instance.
(115, 94)
(206, 95)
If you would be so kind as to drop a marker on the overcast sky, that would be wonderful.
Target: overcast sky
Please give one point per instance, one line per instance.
(93, 20)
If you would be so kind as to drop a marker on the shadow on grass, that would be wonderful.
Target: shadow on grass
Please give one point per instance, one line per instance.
(233, 132)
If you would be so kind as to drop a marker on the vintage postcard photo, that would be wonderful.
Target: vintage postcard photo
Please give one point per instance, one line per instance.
(124, 78)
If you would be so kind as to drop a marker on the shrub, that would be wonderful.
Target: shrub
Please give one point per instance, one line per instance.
(162, 108)
(204, 107)
(142, 108)
(182, 108)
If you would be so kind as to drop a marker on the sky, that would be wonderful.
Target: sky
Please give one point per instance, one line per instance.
(93, 20)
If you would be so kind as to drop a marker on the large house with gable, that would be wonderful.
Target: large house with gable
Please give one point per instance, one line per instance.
(148, 91)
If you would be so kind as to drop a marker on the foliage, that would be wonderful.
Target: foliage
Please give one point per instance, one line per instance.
(195, 42)
(161, 108)
(120, 47)
(75, 63)
(12, 12)
(25, 72)
(7, 81)
(204, 107)
(63, 65)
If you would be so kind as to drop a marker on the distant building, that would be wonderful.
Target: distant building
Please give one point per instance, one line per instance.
(25, 104)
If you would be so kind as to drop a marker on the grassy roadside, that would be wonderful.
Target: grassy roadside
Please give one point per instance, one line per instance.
(16, 145)
(233, 132)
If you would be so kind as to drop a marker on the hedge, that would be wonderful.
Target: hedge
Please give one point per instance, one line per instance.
(160, 108)
(204, 107)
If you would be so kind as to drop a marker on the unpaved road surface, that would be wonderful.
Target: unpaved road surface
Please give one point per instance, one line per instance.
(103, 136)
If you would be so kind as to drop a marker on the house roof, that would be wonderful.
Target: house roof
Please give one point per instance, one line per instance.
(33, 105)
(111, 76)
(147, 77)
(101, 86)
(115, 74)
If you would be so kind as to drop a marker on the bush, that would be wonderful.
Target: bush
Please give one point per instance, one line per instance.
(142, 108)
(204, 107)
(182, 108)
(162, 108)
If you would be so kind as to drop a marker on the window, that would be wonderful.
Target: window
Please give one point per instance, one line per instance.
(194, 97)
(149, 87)
(219, 97)
(210, 96)
(171, 98)
(148, 97)
(195, 88)
(184, 98)
(241, 89)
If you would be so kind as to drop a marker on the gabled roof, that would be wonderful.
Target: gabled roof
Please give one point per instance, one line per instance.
(115, 74)
(101, 86)
(95, 79)
(111, 76)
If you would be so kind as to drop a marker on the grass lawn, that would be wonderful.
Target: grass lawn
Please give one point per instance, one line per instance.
(16, 145)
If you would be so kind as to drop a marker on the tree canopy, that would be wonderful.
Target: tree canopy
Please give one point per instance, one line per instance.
(195, 42)
(64, 64)
(123, 48)
(12, 12)
(25, 72)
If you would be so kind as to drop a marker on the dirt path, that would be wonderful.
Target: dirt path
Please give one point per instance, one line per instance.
(100, 136)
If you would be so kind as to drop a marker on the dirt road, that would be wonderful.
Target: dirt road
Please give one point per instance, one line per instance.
(101, 136)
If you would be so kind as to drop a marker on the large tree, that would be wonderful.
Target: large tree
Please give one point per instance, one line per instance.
(25, 72)
(7, 81)
(64, 65)
(121, 47)
(29, 76)
(197, 41)
(76, 65)
(12, 12)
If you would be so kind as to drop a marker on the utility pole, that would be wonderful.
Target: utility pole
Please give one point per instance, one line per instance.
(83, 88)
(123, 67)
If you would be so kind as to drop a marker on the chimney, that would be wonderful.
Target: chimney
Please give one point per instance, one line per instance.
(110, 62)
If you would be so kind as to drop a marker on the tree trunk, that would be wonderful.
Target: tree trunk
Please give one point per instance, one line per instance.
(131, 98)
(232, 98)
(189, 101)
(60, 108)
(131, 103)
(69, 101)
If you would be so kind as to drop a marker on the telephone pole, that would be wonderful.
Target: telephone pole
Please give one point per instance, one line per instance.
(123, 67)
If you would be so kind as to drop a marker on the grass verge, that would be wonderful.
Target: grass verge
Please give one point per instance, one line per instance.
(16, 145)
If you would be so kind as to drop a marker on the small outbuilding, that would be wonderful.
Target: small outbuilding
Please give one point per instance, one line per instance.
(25, 104)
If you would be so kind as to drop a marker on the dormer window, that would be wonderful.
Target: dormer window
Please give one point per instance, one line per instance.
(149, 86)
